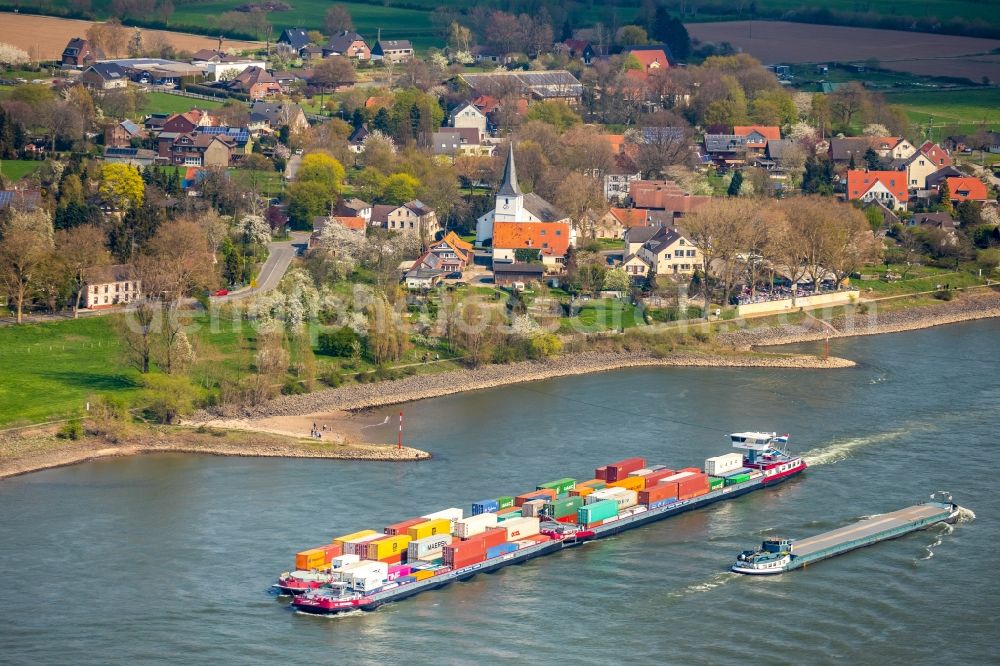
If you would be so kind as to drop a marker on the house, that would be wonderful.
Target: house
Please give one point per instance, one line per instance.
(122, 134)
(139, 157)
(619, 178)
(256, 83)
(551, 240)
(307, 53)
(453, 141)
(154, 122)
(936, 154)
(844, 149)
(242, 142)
(514, 206)
(104, 76)
(652, 60)
(392, 50)
(888, 187)
(542, 85)
(967, 188)
(201, 149)
(892, 147)
(942, 221)
(579, 49)
(355, 208)
(380, 215)
(293, 39)
(935, 179)
(110, 285)
(202, 56)
(651, 193)
(637, 266)
(272, 116)
(726, 149)
(777, 148)
(467, 115)
(182, 123)
(228, 68)
(319, 224)
(512, 274)
(22, 200)
(349, 45)
(413, 218)
(424, 274)
(79, 53)
(757, 136)
(617, 221)
(454, 254)
(668, 252)
(356, 142)
(917, 167)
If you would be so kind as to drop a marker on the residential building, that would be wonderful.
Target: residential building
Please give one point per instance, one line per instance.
(355, 208)
(542, 85)
(651, 59)
(270, 116)
(392, 50)
(967, 188)
(514, 206)
(844, 149)
(619, 178)
(110, 285)
(892, 147)
(242, 142)
(454, 141)
(310, 53)
(942, 221)
(726, 149)
(934, 180)
(637, 266)
(617, 221)
(651, 193)
(453, 253)
(579, 49)
(204, 150)
(425, 273)
(79, 53)
(936, 154)
(356, 142)
(319, 224)
(512, 274)
(122, 134)
(917, 167)
(413, 218)
(550, 239)
(888, 187)
(256, 83)
(293, 39)
(757, 136)
(380, 215)
(466, 115)
(104, 76)
(228, 68)
(139, 157)
(668, 252)
(22, 200)
(349, 45)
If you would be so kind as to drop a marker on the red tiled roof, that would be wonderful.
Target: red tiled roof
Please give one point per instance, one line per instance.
(685, 203)
(630, 217)
(936, 154)
(552, 238)
(860, 181)
(452, 239)
(351, 222)
(967, 189)
(769, 132)
(486, 104)
(651, 193)
(651, 59)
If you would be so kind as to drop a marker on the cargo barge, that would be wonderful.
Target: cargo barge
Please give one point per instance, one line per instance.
(778, 555)
(363, 570)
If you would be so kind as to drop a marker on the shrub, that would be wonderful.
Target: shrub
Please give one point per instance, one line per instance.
(332, 378)
(72, 430)
(942, 295)
(292, 387)
(340, 342)
(544, 346)
(166, 398)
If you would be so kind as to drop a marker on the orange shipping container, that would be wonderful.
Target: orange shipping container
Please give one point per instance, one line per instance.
(692, 486)
(695, 470)
(657, 493)
(548, 492)
(581, 491)
(510, 509)
(630, 483)
(317, 558)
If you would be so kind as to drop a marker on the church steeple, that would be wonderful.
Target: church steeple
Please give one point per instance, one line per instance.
(509, 186)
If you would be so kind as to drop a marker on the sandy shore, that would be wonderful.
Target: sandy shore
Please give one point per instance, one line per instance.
(37, 450)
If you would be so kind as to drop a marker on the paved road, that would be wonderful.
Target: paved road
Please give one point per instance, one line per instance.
(292, 167)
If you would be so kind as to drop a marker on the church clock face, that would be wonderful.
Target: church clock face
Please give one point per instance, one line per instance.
(506, 204)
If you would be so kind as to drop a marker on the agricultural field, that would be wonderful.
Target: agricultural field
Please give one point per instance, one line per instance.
(18, 169)
(776, 42)
(985, 12)
(966, 110)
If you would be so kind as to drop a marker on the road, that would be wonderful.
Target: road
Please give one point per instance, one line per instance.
(292, 167)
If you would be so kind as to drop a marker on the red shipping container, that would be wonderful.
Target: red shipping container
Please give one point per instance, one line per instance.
(548, 492)
(692, 486)
(657, 493)
(400, 528)
(601, 473)
(567, 519)
(695, 470)
(468, 561)
(490, 538)
(620, 469)
(394, 559)
(654, 478)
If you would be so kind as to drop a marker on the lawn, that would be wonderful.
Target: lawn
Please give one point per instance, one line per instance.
(607, 314)
(163, 102)
(18, 169)
(944, 111)
(919, 279)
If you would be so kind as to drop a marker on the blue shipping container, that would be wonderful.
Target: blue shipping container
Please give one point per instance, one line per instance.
(502, 549)
(403, 580)
(663, 502)
(485, 506)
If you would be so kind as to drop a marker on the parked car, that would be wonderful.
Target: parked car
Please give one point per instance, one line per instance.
(221, 292)
(457, 275)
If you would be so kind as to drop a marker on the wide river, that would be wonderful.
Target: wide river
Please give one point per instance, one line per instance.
(168, 558)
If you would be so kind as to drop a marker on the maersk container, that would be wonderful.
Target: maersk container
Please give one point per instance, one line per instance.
(502, 549)
(473, 525)
(592, 513)
(559, 485)
(421, 548)
(737, 478)
(485, 506)
(719, 465)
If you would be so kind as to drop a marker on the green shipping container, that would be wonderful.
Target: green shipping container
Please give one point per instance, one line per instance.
(508, 516)
(563, 507)
(737, 478)
(561, 486)
(602, 510)
(714, 483)
(505, 502)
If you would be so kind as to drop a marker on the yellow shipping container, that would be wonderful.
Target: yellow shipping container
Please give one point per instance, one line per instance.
(430, 528)
(422, 574)
(581, 491)
(351, 537)
(310, 559)
(631, 483)
(388, 547)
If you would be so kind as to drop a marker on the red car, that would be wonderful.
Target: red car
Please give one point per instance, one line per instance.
(221, 292)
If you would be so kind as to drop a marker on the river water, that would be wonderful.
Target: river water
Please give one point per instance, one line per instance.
(168, 558)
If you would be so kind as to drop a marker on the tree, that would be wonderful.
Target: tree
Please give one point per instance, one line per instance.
(735, 184)
(632, 35)
(872, 159)
(337, 19)
(848, 102)
(399, 188)
(818, 176)
(617, 279)
(322, 168)
(306, 200)
(387, 339)
(25, 246)
(944, 196)
(135, 49)
(332, 72)
(253, 230)
(122, 186)
(555, 113)
(340, 342)
(578, 194)
(12, 56)
(671, 31)
(82, 249)
(715, 230)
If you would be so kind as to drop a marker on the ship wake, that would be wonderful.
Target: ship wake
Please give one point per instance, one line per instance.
(841, 449)
(717, 580)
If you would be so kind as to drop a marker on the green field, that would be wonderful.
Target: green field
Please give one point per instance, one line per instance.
(163, 102)
(18, 169)
(942, 112)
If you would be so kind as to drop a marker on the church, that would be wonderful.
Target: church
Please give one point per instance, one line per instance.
(522, 221)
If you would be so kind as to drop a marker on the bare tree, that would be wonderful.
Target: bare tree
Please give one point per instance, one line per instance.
(82, 249)
(337, 19)
(25, 244)
(715, 231)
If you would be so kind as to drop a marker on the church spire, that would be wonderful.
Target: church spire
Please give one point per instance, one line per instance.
(509, 185)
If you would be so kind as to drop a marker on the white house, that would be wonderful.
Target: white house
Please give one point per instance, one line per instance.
(229, 69)
(468, 115)
(110, 285)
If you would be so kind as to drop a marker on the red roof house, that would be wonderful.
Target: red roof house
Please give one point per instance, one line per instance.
(968, 188)
(887, 187)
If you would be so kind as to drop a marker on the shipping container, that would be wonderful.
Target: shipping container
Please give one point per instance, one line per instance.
(357, 546)
(505, 502)
(596, 512)
(423, 574)
(344, 573)
(620, 469)
(740, 470)
(406, 580)
(451, 515)
(491, 537)
(400, 528)
(714, 482)
(398, 571)
(429, 557)
(657, 505)
(656, 476)
(559, 485)
(521, 528)
(582, 491)
(624, 497)
(502, 549)
(317, 558)
(546, 494)
(473, 525)
(420, 548)
(514, 513)
(693, 470)
(532, 507)
(673, 478)
(601, 473)
(387, 546)
(485, 506)
(629, 483)
(509, 509)
(658, 493)
(350, 537)
(737, 478)
(563, 507)
(719, 465)
(641, 472)
(342, 561)
(430, 528)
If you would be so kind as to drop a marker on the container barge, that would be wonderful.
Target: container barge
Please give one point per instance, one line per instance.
(778, 555)
(363, 570)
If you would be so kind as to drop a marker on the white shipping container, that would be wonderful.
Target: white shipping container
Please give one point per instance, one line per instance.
(453, 514)
(344, 573)
(718, 465)
(625, 499)
(422, 547)
(432, 555)
(641, 472)
(353, 547)
(676, 477)
(607, 493)
(368, 583)
(343, 560)
(531, 508)
(473, 525)
(519, 528)
(368, 569)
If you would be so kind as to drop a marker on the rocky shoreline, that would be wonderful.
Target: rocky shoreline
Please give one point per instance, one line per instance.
(419, 387)
(966, 307)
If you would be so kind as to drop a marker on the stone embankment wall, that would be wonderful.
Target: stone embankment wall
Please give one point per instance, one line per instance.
(788, 304)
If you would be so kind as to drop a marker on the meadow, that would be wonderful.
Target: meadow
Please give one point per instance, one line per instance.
(164, 102)
(18, 169)
(943, 111)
